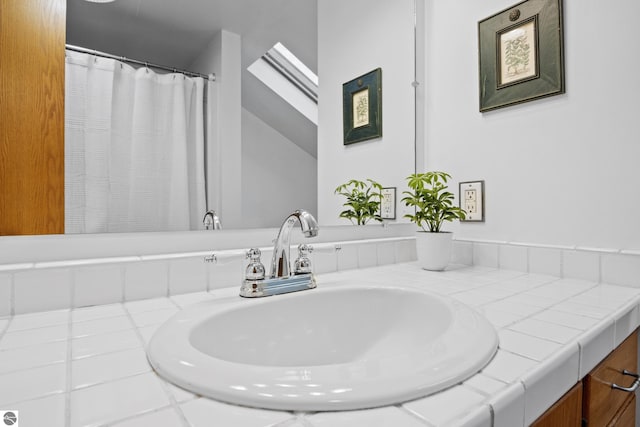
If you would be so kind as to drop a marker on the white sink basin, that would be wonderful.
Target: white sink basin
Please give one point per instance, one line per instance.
(327, 349)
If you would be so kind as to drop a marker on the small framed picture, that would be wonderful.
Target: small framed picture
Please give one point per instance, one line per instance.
(521, 52)
(388, 203)
(472, 200)
(362, 107)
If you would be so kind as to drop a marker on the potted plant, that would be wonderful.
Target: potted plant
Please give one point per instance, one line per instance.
(433, 205)
(363, 201)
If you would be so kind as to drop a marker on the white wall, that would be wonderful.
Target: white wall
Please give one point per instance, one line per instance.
(562, 170)
(222, 57)
(278, 177)
(355, 37)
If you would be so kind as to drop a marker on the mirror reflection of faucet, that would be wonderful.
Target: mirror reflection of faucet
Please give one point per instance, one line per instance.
(211, 221)
(281, 280)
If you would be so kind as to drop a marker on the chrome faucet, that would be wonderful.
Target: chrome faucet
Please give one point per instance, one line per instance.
(280, 267)
(211, 221)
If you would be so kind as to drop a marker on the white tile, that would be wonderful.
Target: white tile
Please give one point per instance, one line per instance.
(148, 305)
(508, 367)
(378, 417)
(201, 412)
(386, 252)
(178, 393)
(367, 255)
(187, 275)
(478, 417)
(163, 418)
(530, 281)
(299, 421)
(94, 345)
(513, 257)
(526, 345)
(595, 344)
(155, 317)
(581, 265)
(348, 257)
(22, 322)
(619, 269)
(116, 400)
(626, 323)
(34, 336)
(473, 298)
(508, 406)
(186, 300)
(499, 318)
(324, 262)
(98, 312)
(541, 301)
(570, 320)
(32, 356)
(42, 290)
(600, 297)
(147, 332)
(98, 284)
(100, 326)
(441, 408)
(550, 382)
(562, 289)
(485, 254)
(545, 330)
(582, 310)
(108, 367)
(501, 275)
(230, 273)
(32, 383)
(47, 411)
(514, 306)
(406, 251)
(484, 384)
(5, 294)
(619, 293)
(461, 252)
(145, 279)
(545, 261)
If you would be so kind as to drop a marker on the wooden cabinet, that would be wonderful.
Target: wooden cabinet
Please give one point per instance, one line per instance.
(602, 402)
(566, 412)
(593, 402)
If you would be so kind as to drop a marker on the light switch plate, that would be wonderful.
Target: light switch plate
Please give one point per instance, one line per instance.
(472, 200)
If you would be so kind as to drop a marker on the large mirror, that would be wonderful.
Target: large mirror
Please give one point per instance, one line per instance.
(276, 165)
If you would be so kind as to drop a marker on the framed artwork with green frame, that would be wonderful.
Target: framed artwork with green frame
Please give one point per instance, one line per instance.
(362, 107)
(521, 54)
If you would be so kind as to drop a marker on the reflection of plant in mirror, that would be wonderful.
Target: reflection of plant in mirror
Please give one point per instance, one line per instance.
(433, 203)
(363, 201)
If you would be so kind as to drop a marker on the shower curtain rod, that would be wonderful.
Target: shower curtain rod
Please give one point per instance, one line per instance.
(211, 76)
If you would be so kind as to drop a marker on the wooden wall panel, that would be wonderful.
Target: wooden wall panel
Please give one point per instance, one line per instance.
(32, 39)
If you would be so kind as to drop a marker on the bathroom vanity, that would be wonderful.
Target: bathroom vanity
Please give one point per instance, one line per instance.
(593, 401)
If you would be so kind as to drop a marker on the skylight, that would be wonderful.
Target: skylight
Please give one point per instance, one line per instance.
(290, 78)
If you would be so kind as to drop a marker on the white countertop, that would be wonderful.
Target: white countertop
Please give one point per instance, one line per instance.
(88, 366)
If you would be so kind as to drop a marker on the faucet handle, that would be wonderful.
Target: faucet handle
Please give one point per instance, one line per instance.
(255, 270)
(302, 264)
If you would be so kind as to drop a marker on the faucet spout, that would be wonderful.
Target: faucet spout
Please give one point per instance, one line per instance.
(280, 267)
(211, 221)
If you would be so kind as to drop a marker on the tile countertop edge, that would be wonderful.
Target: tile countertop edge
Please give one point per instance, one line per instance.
(554, 376)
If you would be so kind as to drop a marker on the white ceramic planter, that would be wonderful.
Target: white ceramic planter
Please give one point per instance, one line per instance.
(434, 249)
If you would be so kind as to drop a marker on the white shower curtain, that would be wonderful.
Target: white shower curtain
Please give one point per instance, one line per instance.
(134, 148)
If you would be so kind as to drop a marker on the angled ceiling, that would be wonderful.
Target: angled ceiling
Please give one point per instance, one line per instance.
(174, 33)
